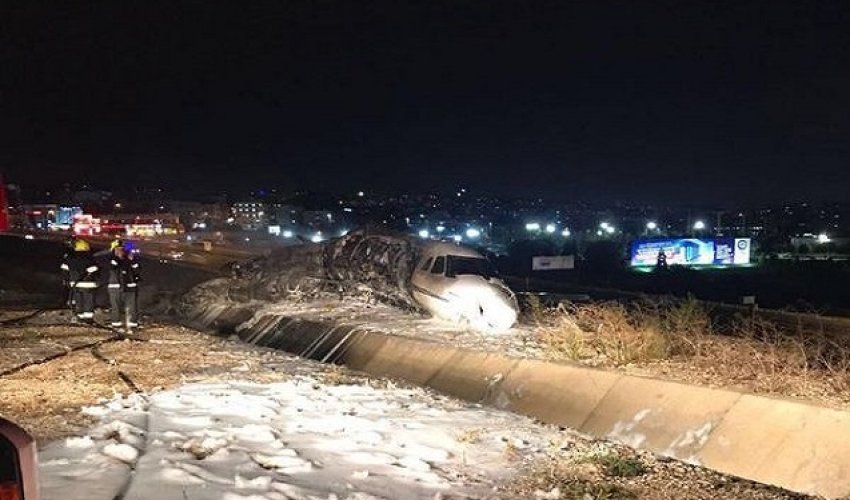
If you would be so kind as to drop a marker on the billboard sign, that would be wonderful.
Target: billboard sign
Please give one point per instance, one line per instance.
(692, 252)
(553, 263)
(65, 215)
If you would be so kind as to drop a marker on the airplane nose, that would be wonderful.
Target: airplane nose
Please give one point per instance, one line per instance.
(482, 306)
(497, 312)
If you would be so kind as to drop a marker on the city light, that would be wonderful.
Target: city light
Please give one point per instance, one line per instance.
(317, 238)
(550, 228)
(652, 225)
(605, 227)
(424, 234)
(823, 238)
(361, 194)
(457, 238)
(287, 234)
(473, 233)
(343, 232)
(699, 225)
(532, 226)
(565, 233)
(440, 229)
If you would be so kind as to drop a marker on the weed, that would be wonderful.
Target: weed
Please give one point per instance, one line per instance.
(337, 375)
(511, 452)
(471, 436)
(618, 466)
(561, 479)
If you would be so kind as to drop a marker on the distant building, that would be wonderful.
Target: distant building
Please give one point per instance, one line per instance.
(131, 225)
(283, 214)
(4, 206)
(318, 218)
(249, 215)
(40, 216)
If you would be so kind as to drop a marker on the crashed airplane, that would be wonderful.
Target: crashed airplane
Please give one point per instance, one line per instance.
(451, 282)
(458, 284)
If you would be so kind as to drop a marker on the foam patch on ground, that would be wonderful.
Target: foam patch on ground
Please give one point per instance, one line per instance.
(298, 439)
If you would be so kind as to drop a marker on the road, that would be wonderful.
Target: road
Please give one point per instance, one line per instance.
(168, 249)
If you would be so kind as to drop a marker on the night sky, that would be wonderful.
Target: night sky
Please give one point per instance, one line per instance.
(720, 102)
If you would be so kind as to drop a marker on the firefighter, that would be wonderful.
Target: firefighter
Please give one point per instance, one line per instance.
(81, 270)
(123, 288)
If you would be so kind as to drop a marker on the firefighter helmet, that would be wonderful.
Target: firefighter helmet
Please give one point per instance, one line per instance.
(81, 246)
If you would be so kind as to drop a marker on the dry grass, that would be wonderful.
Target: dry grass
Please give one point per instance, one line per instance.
(337, 375)
(46, 399)
(609, 334)
(677, 339)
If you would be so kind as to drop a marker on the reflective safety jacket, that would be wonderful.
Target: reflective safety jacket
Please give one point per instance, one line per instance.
(80, 270)
(123, 273)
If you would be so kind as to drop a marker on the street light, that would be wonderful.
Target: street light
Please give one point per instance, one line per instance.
(823, 238)
(550, 228)
(699, 225)
(473, 233)
(423, 233)
(532, 226)
(652, 225)
(565, 233)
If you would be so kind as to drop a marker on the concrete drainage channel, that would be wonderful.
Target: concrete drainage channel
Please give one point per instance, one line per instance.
(796, 446)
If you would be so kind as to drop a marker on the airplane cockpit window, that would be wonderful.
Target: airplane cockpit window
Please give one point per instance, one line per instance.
(427, 265)
(439, 265)
(470, 265)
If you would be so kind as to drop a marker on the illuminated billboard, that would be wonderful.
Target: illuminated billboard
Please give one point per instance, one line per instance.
(691, 252)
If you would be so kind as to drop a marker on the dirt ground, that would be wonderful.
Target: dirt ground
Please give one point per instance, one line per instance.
(46, 398)
(583, 469)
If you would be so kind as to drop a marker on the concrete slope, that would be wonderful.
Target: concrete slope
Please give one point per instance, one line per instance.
(793, 445)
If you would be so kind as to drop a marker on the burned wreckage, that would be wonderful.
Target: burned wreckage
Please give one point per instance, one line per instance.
(448, 281)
